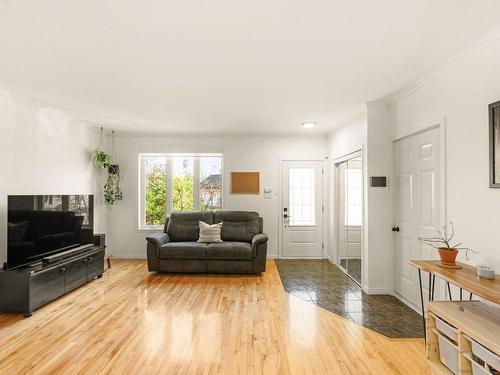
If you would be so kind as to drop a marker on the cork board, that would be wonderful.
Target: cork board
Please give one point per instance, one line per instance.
(245, 182)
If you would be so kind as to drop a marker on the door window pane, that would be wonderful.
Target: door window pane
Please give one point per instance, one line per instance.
(182, 188)
(301, 196)
(210, 183)
(155, 173)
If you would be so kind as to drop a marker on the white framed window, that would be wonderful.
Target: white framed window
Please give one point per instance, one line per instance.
(354, 198)
(178, 182)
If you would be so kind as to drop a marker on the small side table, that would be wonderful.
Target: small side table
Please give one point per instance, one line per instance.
(464, 278)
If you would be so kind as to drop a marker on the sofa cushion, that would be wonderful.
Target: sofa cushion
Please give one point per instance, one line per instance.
(183, 250)
(185, 226)
(238, 226)
(210, 233)
(229, 250)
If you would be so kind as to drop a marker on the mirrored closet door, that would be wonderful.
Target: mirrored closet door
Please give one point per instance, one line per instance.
(349, 213)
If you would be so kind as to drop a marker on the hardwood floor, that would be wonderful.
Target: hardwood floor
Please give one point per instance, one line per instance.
(135, 322)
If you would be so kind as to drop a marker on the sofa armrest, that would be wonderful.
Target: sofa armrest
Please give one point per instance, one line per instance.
(258, 239)
(154, 242)
(158, 239)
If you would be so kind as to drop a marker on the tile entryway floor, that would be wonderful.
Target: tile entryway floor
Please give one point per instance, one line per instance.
(324, 284)
(353, 267)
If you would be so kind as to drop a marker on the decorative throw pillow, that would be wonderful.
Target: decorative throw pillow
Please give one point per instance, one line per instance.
(210, 233)
(16, 232)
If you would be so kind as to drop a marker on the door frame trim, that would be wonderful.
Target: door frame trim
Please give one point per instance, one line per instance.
(436, 123)
(350, 155)
(324, 214)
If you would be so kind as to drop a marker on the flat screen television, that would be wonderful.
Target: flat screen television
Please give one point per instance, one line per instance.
(43, 225)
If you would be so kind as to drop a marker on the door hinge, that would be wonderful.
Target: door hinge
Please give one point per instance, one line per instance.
(322, 170)
(322, 245)
(323, 208)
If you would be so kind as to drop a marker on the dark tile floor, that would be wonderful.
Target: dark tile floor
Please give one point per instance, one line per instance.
(353, 267)
(324, 284)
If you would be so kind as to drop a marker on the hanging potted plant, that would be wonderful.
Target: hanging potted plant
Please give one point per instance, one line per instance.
(99, 157)
(447, 250)
(114, 169)
(112, 191)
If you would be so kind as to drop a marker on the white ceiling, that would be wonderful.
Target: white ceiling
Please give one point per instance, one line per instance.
(230, 66)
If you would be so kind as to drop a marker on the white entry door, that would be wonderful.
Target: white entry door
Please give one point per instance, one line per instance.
(417, 206)
(302, 205)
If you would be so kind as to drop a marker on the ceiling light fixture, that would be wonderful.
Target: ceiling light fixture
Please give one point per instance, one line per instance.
(308, 125)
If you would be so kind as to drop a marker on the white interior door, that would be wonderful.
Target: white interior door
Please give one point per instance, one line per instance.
(302, 204)
(418, 205)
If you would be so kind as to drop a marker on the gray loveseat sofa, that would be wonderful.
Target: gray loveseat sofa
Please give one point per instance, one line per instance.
(243, 250)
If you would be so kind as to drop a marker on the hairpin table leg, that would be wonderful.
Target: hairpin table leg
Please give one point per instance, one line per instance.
(433, 286)
(422, 302)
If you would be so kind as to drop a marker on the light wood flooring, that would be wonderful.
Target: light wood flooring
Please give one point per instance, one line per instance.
(135, 322)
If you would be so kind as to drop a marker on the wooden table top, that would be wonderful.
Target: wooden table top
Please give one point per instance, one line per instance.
(463, 278)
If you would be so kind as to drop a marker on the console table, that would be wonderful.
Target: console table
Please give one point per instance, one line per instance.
(27, 288)
(464, 278)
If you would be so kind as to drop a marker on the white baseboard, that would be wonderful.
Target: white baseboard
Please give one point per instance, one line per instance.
(127, 256)
(411, 305)
(377, 290)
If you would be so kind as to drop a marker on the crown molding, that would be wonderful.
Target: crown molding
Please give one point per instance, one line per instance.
(382, 103)
(456, 60)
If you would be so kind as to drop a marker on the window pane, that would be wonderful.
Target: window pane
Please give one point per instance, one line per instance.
(155, 172)
(301, 196)
(52, 203)
(182, 188)
(210, 183)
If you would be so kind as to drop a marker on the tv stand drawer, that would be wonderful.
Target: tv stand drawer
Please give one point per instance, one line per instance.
(95, 265)
(75, 275)
(46, 286)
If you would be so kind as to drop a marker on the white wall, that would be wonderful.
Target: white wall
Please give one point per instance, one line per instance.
(378, 244)
(462, 95)
(43, 151)
(241, 153)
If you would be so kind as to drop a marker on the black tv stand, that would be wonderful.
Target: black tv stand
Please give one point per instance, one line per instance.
(27, 288)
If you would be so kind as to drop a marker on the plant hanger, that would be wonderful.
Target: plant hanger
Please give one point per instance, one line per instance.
(113, 168)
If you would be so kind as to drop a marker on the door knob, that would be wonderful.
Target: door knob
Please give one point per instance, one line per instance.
(395, 229)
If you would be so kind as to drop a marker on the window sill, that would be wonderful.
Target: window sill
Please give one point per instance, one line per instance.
(140, 230)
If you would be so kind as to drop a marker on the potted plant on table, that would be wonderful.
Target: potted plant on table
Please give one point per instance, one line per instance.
(447, 250)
